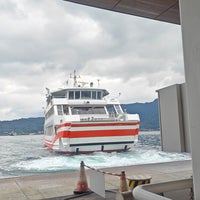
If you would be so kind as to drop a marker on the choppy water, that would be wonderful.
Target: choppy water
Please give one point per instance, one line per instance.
(25, 155)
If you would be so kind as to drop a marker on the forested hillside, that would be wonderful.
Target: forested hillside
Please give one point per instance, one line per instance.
(149, 120)
(22, 126)
(148, 112)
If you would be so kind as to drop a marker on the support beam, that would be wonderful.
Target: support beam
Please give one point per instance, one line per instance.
(190, 21)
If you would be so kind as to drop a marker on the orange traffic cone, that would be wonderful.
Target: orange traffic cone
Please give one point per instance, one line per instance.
(82, 186)
(123, 182)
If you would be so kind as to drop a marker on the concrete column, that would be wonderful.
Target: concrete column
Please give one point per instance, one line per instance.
(190, 23)
(171, 118)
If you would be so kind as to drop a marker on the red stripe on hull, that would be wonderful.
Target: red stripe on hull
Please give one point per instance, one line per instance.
(97, 133)
(78, 133)
(50, 146)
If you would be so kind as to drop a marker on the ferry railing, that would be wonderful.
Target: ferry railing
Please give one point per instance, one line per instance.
(155, 191)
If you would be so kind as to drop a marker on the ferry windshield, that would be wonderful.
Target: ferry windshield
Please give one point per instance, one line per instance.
(118, 109)
(88, 110)
(113, 110)
(62, 109)
(85, 94)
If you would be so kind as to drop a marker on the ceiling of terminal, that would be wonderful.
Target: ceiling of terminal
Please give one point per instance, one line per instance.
(162, 10)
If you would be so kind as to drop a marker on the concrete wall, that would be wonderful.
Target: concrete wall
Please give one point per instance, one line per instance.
(190, 25)
(174, 119)
(185, 118)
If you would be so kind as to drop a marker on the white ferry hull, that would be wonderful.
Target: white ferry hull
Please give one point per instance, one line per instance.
(88, 137)
(84, 119)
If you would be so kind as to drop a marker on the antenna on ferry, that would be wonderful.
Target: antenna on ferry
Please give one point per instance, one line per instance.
(67, 82)
(48, 90)
(98, 80)
(75, 78)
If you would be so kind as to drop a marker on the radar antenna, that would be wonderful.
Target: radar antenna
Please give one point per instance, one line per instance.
(48, 91)
(74, 76)
(98, 80)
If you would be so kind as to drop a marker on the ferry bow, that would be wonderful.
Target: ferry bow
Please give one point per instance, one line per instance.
(83, 119)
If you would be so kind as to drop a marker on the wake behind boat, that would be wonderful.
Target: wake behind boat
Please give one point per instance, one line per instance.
(82, 119)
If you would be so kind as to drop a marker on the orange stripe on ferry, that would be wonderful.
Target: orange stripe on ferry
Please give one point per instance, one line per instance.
(63, 125)
(98, 133)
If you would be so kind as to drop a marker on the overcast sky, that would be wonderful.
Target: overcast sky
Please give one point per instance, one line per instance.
(43, 41)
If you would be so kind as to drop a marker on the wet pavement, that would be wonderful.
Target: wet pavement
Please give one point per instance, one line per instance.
(60, 186)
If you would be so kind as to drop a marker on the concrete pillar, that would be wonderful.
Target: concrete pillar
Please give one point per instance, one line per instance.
(190, 23)
(171, 119)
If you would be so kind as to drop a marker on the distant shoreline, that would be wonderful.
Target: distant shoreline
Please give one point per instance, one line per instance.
(148, 112)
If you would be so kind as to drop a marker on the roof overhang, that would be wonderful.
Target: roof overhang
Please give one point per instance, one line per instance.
(162, 10)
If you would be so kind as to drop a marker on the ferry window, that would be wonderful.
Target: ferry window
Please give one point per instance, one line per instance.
(59, 109)
(77, 95)
(111, 110)
(94, 95)
(71, 94)
(65, 109)
(99, 110)
(98, 95)
(86, 94)
(76, 110)
(88, 110)
(49, 130)
(118, 109)
(50, 112)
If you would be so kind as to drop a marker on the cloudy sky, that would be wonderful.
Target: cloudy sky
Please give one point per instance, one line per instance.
(43, 41)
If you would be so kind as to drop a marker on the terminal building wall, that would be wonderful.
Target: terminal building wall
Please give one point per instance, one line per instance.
(174, 118)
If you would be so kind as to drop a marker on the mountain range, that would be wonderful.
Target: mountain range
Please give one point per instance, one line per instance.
(148, 112)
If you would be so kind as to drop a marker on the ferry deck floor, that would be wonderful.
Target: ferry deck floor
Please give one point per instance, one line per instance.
(60, 186)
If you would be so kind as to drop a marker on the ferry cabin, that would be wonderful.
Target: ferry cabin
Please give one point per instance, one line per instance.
(84, 120)
(80, 104)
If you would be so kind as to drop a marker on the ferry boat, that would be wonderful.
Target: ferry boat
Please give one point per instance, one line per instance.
(83, 119)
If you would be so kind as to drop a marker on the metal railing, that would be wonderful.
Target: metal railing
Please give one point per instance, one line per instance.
(154, 191)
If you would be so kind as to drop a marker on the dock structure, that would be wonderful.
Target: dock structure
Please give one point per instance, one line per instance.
(60, 186)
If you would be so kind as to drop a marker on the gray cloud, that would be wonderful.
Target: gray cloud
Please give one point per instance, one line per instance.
(42, 42)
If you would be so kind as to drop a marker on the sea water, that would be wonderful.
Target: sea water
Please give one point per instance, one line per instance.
(25, 155)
